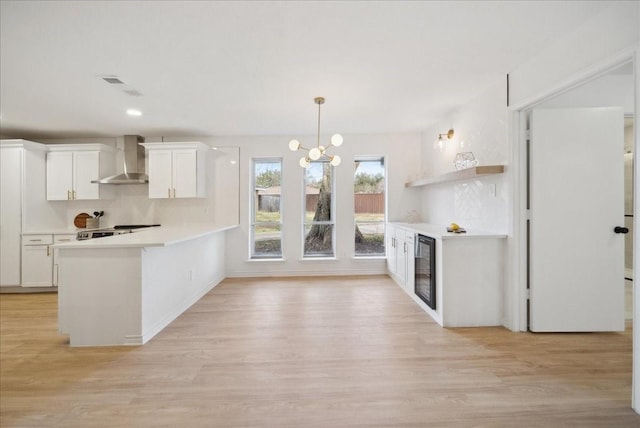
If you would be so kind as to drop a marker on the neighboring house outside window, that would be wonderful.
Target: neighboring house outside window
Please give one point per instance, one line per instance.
(266, 212)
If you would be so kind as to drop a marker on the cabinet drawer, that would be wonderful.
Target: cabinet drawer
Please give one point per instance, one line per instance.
(59, 239)
(37, 239)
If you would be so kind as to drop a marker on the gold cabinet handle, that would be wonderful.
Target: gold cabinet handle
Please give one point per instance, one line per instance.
(68, 195)
(168, 192)
(74, 195)
(174, 192)
(35, 240)
(48, 252)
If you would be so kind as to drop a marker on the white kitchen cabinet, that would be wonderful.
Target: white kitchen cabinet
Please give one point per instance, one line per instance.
(22, 201)
(72, 167)
(400, 256)
(410, 262)
(37, 260)
(59, 238)
(469, 275)
(176, 170)
(10, 215)
(392, 252)
(39, 267)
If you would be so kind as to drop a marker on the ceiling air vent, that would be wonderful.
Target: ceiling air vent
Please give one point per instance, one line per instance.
(113, 80)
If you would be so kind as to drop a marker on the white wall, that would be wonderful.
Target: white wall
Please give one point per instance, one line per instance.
(603, 42)
(609, 90)
(480, 127)
(492, 131)
(130, 203)
(609, 33)
(400, 152)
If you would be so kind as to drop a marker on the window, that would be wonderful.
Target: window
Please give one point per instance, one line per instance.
(266, 221)
(369, 206)
(318, 212)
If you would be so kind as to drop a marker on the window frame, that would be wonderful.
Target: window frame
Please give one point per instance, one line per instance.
(383, 222)
(252, 211)
(331, 222)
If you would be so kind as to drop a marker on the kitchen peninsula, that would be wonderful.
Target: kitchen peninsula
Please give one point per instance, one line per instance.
(124, 289)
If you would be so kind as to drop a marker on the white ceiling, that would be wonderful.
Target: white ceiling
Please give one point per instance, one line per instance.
(253, 68)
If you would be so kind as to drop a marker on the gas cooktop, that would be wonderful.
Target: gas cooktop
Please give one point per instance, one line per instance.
(115, 230)
(134, 226)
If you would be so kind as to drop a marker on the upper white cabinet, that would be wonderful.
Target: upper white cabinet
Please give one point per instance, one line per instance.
(72, 167)
(176, 170)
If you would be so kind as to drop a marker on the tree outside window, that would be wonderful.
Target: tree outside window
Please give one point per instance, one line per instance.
(318, 212)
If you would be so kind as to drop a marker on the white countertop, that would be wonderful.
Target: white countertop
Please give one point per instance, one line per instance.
(161, 236)
(440, 232)
(52, 232)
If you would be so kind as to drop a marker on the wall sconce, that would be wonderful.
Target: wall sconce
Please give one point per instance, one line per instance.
(440, 141)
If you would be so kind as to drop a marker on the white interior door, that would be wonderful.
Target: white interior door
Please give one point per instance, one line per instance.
(576, 260)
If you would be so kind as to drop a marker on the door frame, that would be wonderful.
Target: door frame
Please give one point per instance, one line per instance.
(516, 295)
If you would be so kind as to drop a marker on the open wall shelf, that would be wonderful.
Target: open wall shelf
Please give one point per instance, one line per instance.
(465, 174)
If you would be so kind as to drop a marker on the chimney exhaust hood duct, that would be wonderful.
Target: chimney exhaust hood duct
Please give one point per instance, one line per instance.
(134, 169)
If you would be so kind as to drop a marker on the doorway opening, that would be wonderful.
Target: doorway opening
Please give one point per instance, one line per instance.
(614, 87)
(629, 156)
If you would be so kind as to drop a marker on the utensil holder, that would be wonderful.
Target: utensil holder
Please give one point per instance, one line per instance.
(93, 223)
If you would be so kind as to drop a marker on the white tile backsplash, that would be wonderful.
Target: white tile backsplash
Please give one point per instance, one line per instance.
(480, 127)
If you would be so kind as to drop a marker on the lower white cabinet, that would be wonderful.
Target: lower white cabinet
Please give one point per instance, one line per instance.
(400, 256)
(59, 239)
(39, 267)
(410, 262)
(37, 261)
(469, 272)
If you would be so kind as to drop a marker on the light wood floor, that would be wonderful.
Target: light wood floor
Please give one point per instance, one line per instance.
(329, 352)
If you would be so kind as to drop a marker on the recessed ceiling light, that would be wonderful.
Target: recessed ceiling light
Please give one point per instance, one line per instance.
(134, 112)
(113, 80)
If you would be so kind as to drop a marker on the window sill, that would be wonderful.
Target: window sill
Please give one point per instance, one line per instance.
(266, 259)
(368, 258)
(319, 259)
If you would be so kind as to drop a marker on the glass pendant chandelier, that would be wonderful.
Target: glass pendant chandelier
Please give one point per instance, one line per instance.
(318, 153)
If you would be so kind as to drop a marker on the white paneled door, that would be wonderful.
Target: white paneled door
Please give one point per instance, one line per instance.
(576, 191)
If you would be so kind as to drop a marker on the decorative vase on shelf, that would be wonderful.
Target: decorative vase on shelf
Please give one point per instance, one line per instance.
(413, 217)
(465, 160)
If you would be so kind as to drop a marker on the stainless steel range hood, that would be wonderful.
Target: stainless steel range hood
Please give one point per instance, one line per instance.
(134, 169)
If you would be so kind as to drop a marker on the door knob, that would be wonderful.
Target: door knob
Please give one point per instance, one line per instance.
(619, 229)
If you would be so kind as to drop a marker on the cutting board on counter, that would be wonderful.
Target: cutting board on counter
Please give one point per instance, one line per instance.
(80, 221)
